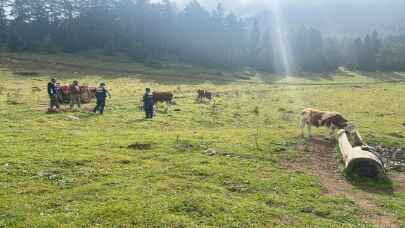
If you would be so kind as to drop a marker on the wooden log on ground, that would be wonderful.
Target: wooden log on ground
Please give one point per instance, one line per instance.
(356, 158)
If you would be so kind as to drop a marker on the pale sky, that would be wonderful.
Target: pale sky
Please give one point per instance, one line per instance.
(257, 4)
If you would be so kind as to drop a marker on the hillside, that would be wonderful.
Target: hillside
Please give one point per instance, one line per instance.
(237, 161)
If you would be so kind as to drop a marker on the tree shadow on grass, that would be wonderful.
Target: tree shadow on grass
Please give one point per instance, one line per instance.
(381, 184)
(384, 76)
(327, 78)
(43, 68)
(313, 77)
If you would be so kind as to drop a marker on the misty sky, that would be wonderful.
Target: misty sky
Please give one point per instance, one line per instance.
(241, 5)
(331, 16)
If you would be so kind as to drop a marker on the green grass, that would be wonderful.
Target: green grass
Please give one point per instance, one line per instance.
(60, 172)
(396, 204)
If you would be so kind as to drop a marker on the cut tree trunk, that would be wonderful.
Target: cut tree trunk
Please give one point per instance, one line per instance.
(357, 160)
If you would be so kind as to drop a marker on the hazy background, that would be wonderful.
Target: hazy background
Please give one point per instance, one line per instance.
(282, 36)
(335, 17)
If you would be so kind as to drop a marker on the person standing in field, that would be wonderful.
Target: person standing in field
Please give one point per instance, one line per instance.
(148, 103)
(53, 96)
(74, 90)
(101, 95)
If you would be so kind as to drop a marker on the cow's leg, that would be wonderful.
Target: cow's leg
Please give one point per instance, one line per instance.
(302, 130)
(309, 131)
(301, 124)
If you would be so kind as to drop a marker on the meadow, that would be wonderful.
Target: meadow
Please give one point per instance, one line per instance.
(236, 161)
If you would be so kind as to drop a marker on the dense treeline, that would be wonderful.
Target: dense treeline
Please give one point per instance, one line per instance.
(159, 31)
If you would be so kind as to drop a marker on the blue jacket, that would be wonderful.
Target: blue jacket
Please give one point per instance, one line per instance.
(52, 91)
(101, 93)
(148, 100)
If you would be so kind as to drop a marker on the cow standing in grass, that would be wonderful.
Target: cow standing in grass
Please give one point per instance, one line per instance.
(162, 97)
(332, 120)
(201, 94)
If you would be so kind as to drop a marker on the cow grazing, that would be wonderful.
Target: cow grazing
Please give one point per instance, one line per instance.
(332, 120)
(203, 94)
(162, 97)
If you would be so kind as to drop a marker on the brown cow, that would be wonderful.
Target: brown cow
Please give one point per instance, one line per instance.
(162, 97)
(332, 120)
(203, 94)
(86, 94)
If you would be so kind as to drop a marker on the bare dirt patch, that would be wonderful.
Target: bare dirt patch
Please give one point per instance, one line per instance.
(322, 163)
(140, 146)
(27, 73)
(399, 180)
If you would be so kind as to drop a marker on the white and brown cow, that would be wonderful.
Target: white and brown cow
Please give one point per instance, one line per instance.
(332, 120)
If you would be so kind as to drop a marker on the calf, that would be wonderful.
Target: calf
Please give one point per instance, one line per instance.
(332, 120)
(203, 94)
(162, 97)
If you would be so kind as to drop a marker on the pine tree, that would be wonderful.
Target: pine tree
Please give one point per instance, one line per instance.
(3, 22)
(266, 60)
(333, 55)
(254, 44)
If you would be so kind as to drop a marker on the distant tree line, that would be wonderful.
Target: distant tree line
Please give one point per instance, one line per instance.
(160, 31)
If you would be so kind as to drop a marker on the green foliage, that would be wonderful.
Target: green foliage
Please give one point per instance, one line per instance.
(150, 31)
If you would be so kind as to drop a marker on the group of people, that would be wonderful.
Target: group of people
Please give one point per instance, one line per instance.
(75, 93)
(101, 94)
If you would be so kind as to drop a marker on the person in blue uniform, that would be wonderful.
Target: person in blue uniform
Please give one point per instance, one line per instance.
(53, 95)
(148, 103)
(101, 95)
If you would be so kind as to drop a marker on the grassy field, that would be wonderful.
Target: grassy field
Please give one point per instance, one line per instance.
(59, 172)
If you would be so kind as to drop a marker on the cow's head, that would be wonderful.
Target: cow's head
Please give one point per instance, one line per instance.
(350, 128)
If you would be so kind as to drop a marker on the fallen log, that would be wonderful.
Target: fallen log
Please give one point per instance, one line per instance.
(357, 157)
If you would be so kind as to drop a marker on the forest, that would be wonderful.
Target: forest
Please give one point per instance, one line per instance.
(160, 31)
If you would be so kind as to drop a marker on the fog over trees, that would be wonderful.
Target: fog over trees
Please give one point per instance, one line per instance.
(332, 17)
(214, 37)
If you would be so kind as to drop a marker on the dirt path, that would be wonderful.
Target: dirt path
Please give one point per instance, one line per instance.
(322, 163)
(399, 180)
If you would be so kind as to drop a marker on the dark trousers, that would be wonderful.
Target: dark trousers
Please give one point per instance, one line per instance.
(100, 106)
(54, 102)
(148, 111)
(74, 100)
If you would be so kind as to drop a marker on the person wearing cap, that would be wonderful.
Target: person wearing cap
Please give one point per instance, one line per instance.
(148, 103)
(53, 95)
(101, 95)
(74, 90)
